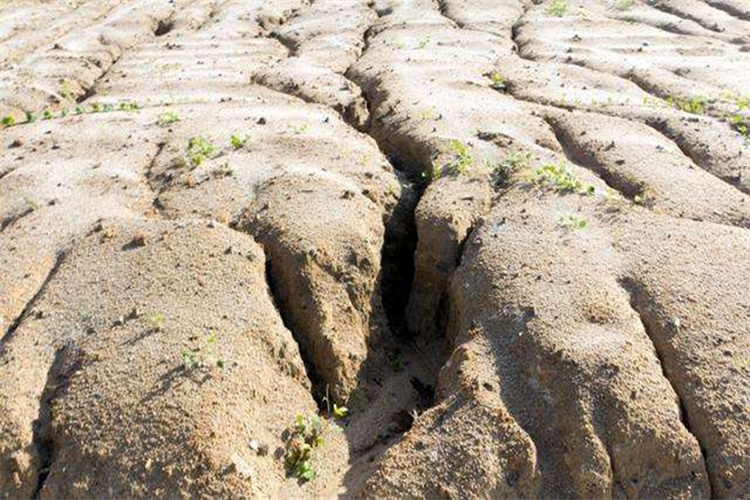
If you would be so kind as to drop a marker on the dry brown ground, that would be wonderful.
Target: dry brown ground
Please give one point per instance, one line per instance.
(513, 238)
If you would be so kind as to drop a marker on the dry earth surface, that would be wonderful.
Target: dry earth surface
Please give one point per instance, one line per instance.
(511, 237)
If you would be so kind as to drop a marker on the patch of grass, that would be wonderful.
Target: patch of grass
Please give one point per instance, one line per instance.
(558, 178)
(557, 8)
(695, 105)
(199, 150)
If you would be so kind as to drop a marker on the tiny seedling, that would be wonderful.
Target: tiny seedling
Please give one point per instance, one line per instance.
(31, 204)
(47, 114)
(167, 118)
(96, 107)
(639, 199)
(497, 81)
(557, 8)
(199, 150)
(30, 117)
(65, 91)
(558, 178)
(463, 159)
(9, 121)
(572, 222)
(237, 142)
(423, 42)
(156, 321)
(194, 358)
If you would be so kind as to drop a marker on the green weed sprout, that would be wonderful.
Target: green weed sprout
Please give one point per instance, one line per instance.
(9, 121)
(497, 81)
(558, 178)
(167, 118)
(199, 150)
(557, 8)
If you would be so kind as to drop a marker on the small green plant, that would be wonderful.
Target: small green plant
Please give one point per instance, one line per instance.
(65, 91)
(423, 42)
(167, 118)
(558, 178)
(199, 150)
(304, 437)
(96, 107)
(463, 160)
(695, 105)
(639, 199)
(397, 361)
(9, 121)
(30, 117)
(516, 160)
(156, 321)
(340, 411)
(79, 110)
(435, 173)
(47, 114)
(195, 358)
(557, 8)
(497, 81)
(129, 106)
(572, 222)
(236, 141)
(31, 204)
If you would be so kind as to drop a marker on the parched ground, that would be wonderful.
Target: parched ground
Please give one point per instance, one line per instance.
(511, 237)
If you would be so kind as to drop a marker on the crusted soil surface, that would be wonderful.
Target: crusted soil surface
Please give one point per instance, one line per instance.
(512, 238)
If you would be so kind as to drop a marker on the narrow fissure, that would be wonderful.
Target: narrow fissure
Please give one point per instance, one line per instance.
(650, 328)
(30, 304)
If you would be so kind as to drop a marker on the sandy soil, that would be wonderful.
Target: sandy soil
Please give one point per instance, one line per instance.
(512, 238)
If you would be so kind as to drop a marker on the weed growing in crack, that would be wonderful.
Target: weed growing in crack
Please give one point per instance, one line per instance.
(558, 178)
(497, 81)
(695, 105)
(516, 160)
(199, 150)
(9, 121)
(557, 8)
(572, 222)
(47, 114)
(30, 117)
(304, 437)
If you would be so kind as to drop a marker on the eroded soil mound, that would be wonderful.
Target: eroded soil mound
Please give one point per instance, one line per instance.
(511, 238)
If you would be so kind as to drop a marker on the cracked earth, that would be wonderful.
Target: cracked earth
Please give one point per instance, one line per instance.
(511, 237)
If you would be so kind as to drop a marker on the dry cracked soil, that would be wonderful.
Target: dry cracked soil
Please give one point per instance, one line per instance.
(510, 237)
